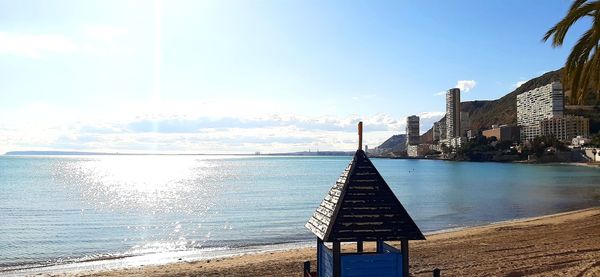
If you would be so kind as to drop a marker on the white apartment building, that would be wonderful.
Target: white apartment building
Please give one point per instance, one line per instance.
(453, 113)
(465, 123)
(565, 128)
(436, 131)
(418, 150)
(536, 105)
(439, 130)
(412, 130)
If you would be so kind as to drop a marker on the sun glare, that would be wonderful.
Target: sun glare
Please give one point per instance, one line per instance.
(151, 183)
(156, 98)
(149, 175)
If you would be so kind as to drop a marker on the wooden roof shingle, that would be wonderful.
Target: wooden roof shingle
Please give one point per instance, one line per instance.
(362, 207)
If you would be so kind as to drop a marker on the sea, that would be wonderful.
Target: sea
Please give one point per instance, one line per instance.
(68, 213)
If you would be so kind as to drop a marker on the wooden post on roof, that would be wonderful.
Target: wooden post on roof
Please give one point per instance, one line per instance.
(360, 135)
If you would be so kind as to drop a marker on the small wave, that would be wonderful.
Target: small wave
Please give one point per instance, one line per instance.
(115, 261)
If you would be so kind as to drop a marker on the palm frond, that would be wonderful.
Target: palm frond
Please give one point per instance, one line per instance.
(582, 68)
(560, 30)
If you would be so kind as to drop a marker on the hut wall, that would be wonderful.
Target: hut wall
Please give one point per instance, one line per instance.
(325, 261)
(374, 265)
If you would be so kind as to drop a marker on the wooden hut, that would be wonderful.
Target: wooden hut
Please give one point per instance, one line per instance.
(360, 208)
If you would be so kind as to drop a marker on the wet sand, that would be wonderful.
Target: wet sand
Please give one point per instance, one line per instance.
(566, 244)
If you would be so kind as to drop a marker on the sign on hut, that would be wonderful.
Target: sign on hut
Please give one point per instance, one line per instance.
(360, 208)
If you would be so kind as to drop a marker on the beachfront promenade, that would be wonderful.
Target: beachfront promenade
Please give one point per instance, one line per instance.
(566, 244)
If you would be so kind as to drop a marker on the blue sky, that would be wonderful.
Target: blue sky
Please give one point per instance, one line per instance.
(245, 76)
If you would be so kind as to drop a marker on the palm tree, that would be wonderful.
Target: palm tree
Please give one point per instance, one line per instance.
(582, 69)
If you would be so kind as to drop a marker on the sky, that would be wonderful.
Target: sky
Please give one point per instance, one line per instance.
(243, 76)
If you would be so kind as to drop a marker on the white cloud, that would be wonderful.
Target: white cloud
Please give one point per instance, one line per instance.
(518, 84)
(104, 33)
(426, 119)
(465, 85)
(542, 72)
(192, 133)
(432, 115)
(34, 46)
(209, 126)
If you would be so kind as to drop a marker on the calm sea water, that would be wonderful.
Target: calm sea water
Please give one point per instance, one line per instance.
(57, 210)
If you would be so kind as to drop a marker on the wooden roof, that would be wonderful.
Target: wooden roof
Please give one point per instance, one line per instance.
(362, 207)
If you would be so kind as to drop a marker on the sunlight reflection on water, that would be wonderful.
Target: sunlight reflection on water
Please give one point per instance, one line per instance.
(172, 198)
(154, 184)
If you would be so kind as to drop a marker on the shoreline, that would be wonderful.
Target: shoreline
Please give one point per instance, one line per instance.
(582, 164)
(590, 165)
(102, 264)
(288, 260)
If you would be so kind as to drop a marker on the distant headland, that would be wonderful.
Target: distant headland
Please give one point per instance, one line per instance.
(80, 153)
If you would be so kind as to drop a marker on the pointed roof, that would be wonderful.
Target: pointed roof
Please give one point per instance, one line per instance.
(362, 207)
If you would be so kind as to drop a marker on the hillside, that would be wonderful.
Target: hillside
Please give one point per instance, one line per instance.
(394, 143)
(484, 114)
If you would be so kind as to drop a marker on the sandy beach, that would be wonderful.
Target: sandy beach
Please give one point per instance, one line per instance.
(566, 244)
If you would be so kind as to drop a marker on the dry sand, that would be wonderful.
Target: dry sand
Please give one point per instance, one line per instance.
(566, 244)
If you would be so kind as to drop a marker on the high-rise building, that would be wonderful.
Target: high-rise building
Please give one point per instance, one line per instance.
(465, 123)
(566, 127)
(436, 131)
(439, 130)
(442, 126)
(418, 150)
(453, 113)
(412, 130)
(471, 134)
(536, 105)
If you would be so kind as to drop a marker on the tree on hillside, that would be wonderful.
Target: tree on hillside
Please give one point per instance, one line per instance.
(582, 68)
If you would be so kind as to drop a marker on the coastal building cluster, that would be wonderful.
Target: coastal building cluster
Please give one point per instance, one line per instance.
(540, 112)
(449, 131)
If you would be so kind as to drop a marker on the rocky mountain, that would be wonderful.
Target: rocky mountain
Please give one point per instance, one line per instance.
(395, 143)
(484, 114)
